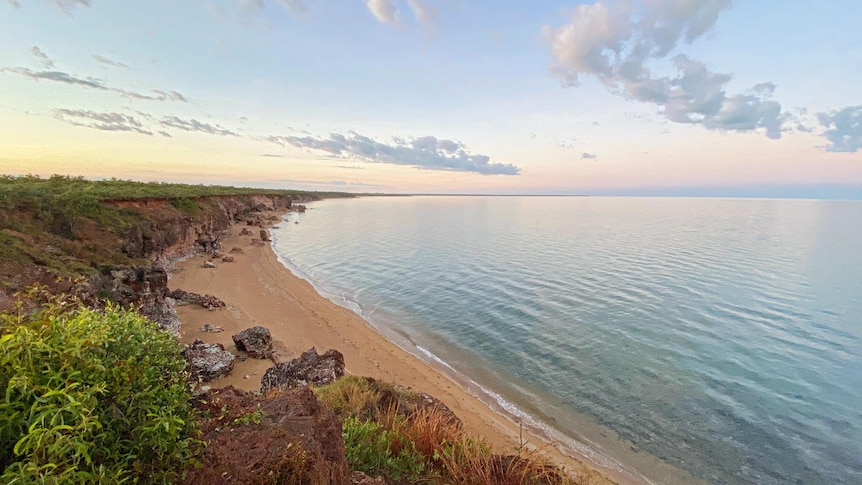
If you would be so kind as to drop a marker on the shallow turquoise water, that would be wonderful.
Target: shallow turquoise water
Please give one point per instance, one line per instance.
(722, 336)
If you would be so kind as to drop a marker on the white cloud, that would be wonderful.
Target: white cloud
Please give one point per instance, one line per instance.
(105, 121)
(384, 10)
(426, 152)
(46, 61)
(844, 129)
(619, 42)
(68, 5)
(109, 62)
(423, 12)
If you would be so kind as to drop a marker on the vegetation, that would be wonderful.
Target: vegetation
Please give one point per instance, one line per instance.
(69, 226)
(91, 397)
(427, 444)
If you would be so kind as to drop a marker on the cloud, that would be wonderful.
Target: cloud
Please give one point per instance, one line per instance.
(108, 121)
(351, 167)
(618, 43)
(272, 155)
(105, 60)
(588, 156)
(295, 6)
(57, 76)
(195, 125)
(423, 12)
(68, 5)
(14, 3)
(158, 95)
(165, 134)
(46, 61)
(844, 129)
(92, 83)
(425, 152)
(384, 11)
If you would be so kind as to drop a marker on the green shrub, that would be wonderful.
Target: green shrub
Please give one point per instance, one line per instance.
(375, 450)
(91, 397)
(187, 206)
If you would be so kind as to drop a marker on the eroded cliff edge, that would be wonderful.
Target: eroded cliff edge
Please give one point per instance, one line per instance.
(122, 250)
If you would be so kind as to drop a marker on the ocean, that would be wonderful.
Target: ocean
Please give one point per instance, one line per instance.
(722, 337)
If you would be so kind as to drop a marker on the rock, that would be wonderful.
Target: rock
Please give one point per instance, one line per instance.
(208, 361)
(209, 264)
(227, 259)
(257, 242)
(293, 440)
(359, 478)
(264, 235)
(188, 298)
(208, 327)
(309, 368)
(237, 250)
(256, 341)
(145, 288)
(244, 232)
(299, 208)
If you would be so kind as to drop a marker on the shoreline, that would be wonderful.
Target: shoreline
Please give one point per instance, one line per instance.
(259, 289)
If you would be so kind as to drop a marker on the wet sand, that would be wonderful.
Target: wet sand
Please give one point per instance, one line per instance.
(259, 290)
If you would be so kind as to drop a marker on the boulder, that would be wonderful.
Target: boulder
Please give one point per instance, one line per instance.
(209, 264)
(227, 259)
(188, 298)
(236, 249)
(210, 328)
(286, 438)
(244, 232)
(264, 235)
(309, 369)
(256, 341)
(208, 361)
(359, 478)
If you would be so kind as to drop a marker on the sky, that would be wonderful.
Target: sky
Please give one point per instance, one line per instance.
(652, 97)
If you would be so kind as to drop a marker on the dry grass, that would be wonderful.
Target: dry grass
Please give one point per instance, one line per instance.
(451, 455)
(350, 396)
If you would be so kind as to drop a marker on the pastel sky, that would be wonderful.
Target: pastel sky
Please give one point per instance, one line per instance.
(679, 97)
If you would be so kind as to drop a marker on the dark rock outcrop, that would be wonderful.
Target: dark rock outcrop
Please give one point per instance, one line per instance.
(309, 369)
(286, 438)
(208, 361)
(183, 297)
(143, 287)
(264, 235)
(256, 341)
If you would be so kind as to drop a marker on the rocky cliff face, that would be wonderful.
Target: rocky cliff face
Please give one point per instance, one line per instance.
(168, 233)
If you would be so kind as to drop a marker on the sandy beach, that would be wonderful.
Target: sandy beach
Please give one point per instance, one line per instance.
(259, 290)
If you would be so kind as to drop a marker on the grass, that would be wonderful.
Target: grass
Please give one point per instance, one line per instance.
(426, 444)
(70, 226)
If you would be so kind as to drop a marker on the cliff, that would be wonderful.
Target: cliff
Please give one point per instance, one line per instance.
(121, 248)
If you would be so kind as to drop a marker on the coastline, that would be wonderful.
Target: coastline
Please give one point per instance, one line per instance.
(259, 289)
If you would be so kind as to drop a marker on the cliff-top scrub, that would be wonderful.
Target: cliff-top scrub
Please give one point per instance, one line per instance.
(91, 396)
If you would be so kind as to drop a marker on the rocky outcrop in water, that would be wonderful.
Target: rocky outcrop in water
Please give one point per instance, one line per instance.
(208, 361)
(309, 369)
(286, 438)
(255, 341)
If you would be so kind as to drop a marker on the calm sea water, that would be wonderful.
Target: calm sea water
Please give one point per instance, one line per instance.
(722, 336)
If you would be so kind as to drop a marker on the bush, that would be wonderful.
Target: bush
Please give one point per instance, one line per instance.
(91, 397)
(375, 450)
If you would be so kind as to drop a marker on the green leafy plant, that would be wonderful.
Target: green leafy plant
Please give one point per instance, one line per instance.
(91, 397)
(251, 417)
(375, 450)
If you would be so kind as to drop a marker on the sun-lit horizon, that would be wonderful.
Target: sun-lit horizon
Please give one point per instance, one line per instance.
(711, 98)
